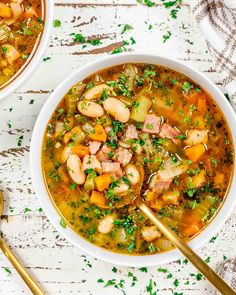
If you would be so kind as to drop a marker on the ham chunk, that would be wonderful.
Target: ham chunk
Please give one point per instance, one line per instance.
(150, 233)
(157, 184)
(131, 132)
(167, 131)
(195, 136)
(123, 156)
(112, 168)
(101, 156)
(106, 149)
(91, 162)
(94, 146)
(152, 124)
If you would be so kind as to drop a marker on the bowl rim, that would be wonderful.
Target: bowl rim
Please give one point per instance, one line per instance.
(36, 147)
(23, 74)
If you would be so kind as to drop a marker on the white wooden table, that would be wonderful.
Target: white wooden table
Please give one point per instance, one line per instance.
(59, 267)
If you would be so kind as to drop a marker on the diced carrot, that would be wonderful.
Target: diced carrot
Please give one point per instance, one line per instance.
(192, 224)
(80, 150)
(195, 152)
(198, 122)
(102, 182)
(5, 11)
(149, 196)
(191, 97)
(99, 133)
(202, 104)
(156, 204)
(219, 179)
(171, 197)
(192, 229)
(11, 54)
(97, 198)
(199, 179)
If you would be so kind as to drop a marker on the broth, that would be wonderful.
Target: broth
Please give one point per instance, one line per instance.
(137, 129)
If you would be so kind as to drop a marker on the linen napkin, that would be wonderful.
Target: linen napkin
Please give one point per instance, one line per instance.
(228, 273)
(217, 19)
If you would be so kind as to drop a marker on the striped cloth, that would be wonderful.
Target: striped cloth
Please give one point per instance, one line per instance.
(217, 19)
(228, 273)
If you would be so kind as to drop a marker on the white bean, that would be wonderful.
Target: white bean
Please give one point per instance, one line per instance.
(132, 173)
(96, 91)
(117, 109)
(90, 109)
(75, 169)
(121, 189)
(106, 224)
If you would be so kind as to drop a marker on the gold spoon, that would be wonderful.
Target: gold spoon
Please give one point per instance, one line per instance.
(209, 274)
(36, 290)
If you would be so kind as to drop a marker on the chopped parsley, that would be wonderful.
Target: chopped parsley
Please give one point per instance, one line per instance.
(187, 86)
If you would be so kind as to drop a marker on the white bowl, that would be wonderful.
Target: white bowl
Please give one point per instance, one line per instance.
(36, 56)
(36, 147)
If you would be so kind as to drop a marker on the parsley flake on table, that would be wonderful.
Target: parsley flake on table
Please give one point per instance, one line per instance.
(143, 269)
(26, 210)
(166, 37)
(20, 140)
(212, 240)
(57, 23)
(134, 278)
(148, 3)
(149, 288)
(176, 283)
(125, 28)
(81, 39)
(63, 223)
(207, 260)
(7, 270)
(164, 270)
(46, 58)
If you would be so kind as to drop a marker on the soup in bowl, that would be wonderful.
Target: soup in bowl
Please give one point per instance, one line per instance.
(139, 125)
(24, 33)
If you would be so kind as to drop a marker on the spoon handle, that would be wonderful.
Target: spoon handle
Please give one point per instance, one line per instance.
(212, 277)
(36, 290)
